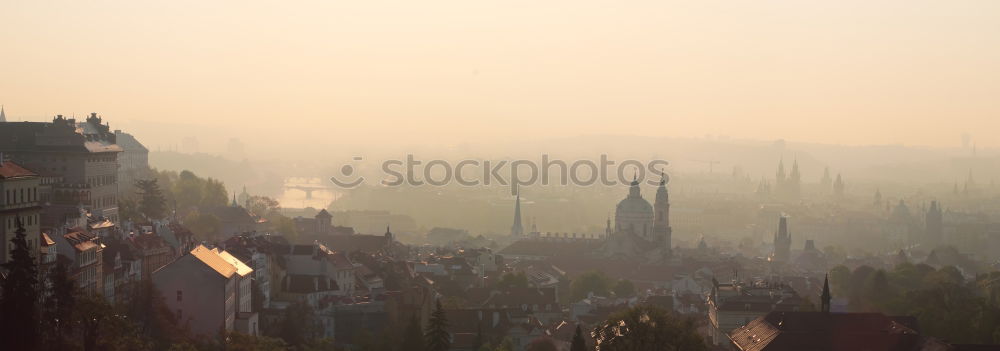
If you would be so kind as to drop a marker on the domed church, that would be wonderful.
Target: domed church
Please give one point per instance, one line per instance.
(641, 227)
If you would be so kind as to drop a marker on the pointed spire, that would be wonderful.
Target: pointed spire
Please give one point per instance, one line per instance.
(234, 204)
(3, 116)
(825, 297)
(517, 229)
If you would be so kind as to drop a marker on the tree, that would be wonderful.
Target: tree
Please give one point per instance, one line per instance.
(643, 328)
(152, 204)
(413, 338)
(148, 310)
(436, 334)
(877, 294)
(298, 325)
(543, 343)
(128, 210)
(57, 312)
(103, 328)
(203, 225)
(624, 288)
(595, 282)
(840, 280)
(18, 306)
(512, 280)
(188, 190)
(262, 205)
(215, 193)
(242, 342)
(284, 225)
(579, 343)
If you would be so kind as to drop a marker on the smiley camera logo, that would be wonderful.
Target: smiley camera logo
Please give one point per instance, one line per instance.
(347, 178)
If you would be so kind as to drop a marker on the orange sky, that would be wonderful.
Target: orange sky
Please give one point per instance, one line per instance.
(855, 72)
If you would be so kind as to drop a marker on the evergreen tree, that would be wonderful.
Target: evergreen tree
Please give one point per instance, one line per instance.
(18, 306)
(436, 334)
(579, 344)
(298, 326)
(57, 311)
(413, 339)
(152, 204)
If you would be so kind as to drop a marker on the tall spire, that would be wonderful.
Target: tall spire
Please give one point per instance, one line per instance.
(3, 116)
(517, 229)
(825, 297)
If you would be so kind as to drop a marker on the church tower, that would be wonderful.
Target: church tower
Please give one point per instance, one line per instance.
(825, 297)
(934, 226)
(795, 181)
(661, 215)
(782, 241)
(517, 229)
(779, 178)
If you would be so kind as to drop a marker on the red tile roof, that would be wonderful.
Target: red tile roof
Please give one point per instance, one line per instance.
(824, 331)
(9, 169)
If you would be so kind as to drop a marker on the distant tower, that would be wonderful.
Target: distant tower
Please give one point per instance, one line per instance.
(825, 297)
(517, 229)
(661, 215)
(323, 221)
(878, 197)
(934, 225)
(234, 204)
(388, 235)
(3, 116)
(244, 198)
(827, 182)
(779, 182)
(795, 181)
(782, 241)
(608, 230)
(838, 186)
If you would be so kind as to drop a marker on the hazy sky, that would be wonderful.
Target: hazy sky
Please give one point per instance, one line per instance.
(856, 72)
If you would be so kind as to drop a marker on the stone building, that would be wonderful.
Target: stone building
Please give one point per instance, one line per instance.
(210, 290)
(133, 162)
(19, 189)
(80, 158)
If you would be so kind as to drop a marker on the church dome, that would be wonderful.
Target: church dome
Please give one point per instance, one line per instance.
(634, 213)
(634, 205)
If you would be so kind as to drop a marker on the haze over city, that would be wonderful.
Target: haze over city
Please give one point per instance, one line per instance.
(403, 73)
(500, 176)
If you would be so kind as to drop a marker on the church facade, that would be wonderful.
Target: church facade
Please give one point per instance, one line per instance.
(641, 228)
(640, 231)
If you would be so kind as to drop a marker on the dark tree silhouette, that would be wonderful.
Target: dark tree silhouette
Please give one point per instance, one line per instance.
(298, 325)
(413, 338)
(436, 334)
(57, 312)
(543, 343)
(18, 305)
(579, 343)
(152, 204)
